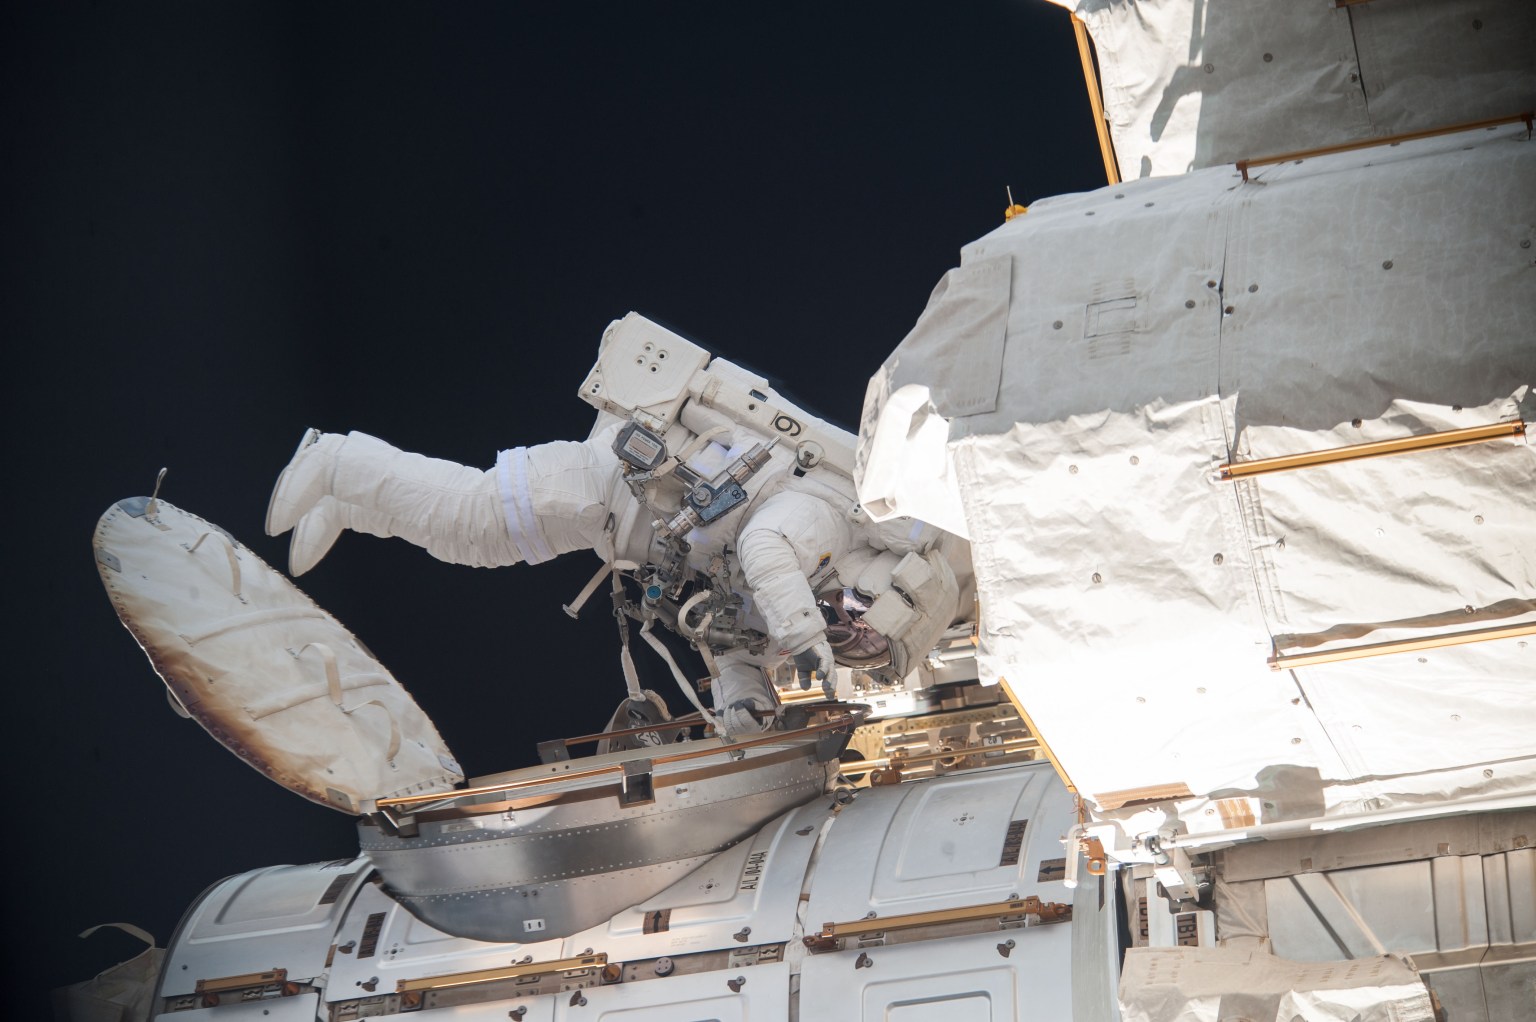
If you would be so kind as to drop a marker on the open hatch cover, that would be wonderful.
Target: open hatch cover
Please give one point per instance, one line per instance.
(277, 680)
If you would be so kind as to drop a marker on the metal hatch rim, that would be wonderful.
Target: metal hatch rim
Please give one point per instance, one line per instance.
(607, 772)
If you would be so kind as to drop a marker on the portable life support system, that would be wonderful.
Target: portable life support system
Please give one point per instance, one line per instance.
(673, 398)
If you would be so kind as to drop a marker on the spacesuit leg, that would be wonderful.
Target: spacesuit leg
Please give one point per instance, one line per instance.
(361, 483)
(741, 688)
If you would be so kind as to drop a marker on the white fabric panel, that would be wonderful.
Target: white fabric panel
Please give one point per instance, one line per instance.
(963, 326)
(1159, 328)
(1103, 605)
(1437, 725)
(1210, 984)
(904, 466)
(1195, 83)
(1344, 552)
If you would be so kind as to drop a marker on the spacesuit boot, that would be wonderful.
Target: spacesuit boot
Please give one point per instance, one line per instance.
(304, 481)
(318, 529)
(361, 483)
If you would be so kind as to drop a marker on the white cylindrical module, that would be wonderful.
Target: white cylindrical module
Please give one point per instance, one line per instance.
(949, 890)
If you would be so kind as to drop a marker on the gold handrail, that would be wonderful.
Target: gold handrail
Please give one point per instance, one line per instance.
(691, 720)
(1354, 452)
(768, 738)
(460, 979)
(1281, 662)
(224, 984)
(1407, 136)
(1030, 905)
(1096, 102)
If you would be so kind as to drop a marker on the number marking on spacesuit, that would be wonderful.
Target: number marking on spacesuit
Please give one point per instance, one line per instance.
(787, 425)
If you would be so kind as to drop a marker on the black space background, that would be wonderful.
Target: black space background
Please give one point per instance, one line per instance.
(224, 222)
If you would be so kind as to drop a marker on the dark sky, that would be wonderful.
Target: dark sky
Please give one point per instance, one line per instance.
(226, 222)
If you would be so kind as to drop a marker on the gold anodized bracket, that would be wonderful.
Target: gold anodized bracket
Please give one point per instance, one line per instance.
(1356, 452)
(1281, 662)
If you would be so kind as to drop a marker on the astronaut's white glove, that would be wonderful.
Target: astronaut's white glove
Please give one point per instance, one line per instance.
(739, 718)
(815, 663)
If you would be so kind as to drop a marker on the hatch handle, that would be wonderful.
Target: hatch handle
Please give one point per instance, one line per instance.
(229, 553)
(333, 685)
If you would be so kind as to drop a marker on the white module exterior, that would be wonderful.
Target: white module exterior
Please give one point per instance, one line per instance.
(1157, 329)
(738, 919)
(1194, 83)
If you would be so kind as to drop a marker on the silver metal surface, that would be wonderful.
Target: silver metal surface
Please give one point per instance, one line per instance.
(1479, 834)
(1468, 921)
(551, 870)
(527, 911)
(302, 1008)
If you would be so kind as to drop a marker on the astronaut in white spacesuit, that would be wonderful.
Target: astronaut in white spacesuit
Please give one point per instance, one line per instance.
(731, 540)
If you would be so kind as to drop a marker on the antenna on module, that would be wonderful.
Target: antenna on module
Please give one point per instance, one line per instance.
(1014, 209)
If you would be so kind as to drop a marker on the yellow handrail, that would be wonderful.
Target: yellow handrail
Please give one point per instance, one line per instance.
(1355, 452)
(1366, 143)
(1281, 662)
(1100, 125)
(706, 748)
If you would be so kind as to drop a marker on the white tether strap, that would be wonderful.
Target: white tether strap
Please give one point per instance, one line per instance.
(682, 682)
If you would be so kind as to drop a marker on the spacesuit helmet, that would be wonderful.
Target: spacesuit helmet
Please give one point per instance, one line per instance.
(854, 643)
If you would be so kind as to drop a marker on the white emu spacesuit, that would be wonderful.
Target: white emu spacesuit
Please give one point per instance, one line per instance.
(731, 508)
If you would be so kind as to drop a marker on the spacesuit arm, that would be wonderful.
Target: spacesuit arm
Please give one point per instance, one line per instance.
(786, 541)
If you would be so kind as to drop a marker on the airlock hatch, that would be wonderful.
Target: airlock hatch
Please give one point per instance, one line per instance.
(274, 678)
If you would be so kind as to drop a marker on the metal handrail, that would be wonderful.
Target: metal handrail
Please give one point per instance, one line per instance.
(1096, 102)
(1281, 662)
(830, 933)
(1367, 143)
(688, 721)
(852, 718)
(1355, 452)
(514, 971)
